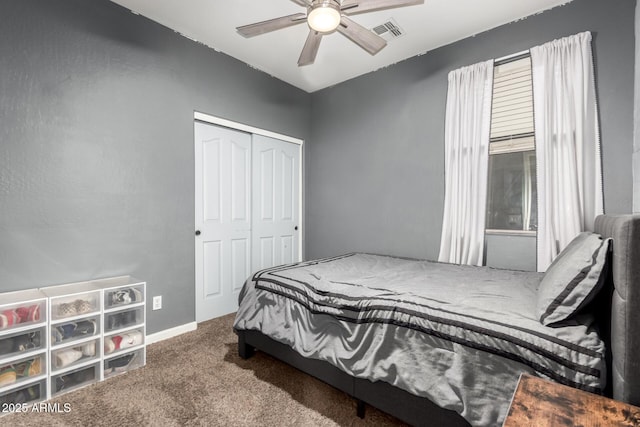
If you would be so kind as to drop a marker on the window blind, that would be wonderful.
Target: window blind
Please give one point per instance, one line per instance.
(512, 108)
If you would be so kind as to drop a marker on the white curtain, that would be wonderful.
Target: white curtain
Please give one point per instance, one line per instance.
(527, 189)
(467, 126)
(567, 143)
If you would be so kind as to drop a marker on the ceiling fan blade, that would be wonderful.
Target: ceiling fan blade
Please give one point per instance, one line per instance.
(352, 7)
(358, 34)
(310, 49)
(258, 28)
(301, 2)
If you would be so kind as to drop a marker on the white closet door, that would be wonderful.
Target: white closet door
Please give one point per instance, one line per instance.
(276, 202)
(222, 218)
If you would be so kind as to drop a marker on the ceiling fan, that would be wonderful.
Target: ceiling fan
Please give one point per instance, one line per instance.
(327, 16)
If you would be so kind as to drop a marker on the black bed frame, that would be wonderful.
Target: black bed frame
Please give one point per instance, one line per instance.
(616, 309)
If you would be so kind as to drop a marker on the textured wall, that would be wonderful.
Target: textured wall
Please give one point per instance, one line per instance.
(636, 119)
(511, 252)
(96, 144)
(376, 164)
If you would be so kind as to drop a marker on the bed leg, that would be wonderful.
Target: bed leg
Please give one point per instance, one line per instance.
(245, 351)
(361, 407)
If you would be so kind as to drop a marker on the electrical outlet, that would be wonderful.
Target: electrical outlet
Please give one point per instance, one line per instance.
(157, 302)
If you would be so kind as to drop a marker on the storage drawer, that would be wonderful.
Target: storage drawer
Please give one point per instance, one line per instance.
(123, 363)
(72, 380)
(22, 342)
(68, 332)
(123, 319)
(74, 354)
(123, 296)
(124, 340)
(22, 370)
(76, 305)
(22, 314)
(22, 396)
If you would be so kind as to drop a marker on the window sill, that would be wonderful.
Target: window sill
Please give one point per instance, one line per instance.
(510, 232)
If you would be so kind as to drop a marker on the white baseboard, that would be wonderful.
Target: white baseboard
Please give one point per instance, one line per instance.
(171, 332)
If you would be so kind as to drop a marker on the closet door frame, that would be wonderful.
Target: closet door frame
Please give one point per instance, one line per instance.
(206, 118)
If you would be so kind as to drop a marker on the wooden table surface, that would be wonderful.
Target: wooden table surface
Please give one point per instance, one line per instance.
(538, 402)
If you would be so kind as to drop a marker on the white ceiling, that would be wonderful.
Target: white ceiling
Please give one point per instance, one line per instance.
(428, 26)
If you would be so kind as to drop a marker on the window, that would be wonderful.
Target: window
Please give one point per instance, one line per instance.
(512, 186)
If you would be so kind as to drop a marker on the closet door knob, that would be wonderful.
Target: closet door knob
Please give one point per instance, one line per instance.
(295, 228)
(197, 232)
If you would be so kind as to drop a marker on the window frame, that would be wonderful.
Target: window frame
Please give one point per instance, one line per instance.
(506, 150)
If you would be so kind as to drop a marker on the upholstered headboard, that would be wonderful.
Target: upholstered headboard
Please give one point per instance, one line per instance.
(625, 304)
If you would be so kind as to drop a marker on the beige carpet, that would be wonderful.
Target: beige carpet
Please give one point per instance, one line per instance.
(197, 379)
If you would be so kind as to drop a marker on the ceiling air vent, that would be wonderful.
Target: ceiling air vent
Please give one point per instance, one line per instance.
(389, 30)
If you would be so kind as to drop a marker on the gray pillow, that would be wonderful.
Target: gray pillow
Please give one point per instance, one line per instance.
(573, 279)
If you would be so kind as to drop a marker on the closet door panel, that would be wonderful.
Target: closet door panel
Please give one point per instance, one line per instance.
(240, 184)
(276, 201)
(222, 218)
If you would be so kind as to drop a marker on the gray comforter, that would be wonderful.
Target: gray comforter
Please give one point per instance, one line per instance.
(457, 335)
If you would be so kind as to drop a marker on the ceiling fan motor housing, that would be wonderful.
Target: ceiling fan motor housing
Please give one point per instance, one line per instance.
(324, 15)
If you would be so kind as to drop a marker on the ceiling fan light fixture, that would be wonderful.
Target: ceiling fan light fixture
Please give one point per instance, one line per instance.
(324, 16)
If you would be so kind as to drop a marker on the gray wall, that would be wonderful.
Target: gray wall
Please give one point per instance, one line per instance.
(510, 251)
(96, 144)
(376, 162)
(636, 119)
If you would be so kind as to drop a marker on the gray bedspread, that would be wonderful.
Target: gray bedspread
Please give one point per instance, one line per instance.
(458, 335)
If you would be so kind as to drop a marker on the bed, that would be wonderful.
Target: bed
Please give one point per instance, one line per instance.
(429, 341)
